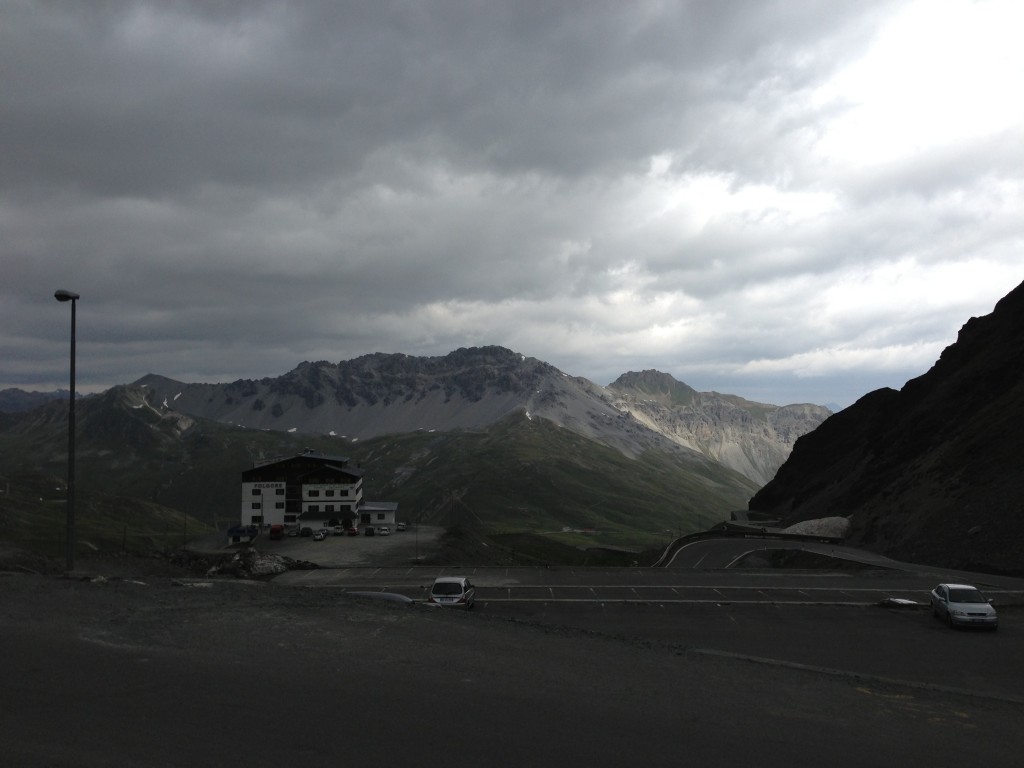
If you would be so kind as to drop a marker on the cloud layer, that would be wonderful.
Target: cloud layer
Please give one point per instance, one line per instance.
(790, 200)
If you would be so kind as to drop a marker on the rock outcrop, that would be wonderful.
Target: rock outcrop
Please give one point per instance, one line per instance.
(931, 473)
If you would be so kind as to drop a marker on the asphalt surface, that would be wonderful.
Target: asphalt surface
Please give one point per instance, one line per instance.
(158, 673)
(861, 623)
(558, 667)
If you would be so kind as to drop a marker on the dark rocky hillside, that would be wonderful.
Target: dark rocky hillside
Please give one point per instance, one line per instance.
(933, 473)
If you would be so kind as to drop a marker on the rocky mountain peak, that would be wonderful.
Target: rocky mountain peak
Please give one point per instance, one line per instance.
(473, 388)
(654, 385)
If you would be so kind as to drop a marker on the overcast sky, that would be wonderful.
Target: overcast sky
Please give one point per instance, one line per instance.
(792, 201)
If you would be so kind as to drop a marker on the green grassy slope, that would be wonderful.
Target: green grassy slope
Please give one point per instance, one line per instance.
(519, 477)
(533, 476)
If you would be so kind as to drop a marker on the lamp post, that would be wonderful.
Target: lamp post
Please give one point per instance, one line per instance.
(63, 295)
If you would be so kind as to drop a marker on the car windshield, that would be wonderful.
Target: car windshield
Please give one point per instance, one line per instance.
(447, 588)
(965, 596)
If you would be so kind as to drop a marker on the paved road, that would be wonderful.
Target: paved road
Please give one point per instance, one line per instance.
(728, 552)
(825, 619)
(143, 674)
(663, 585)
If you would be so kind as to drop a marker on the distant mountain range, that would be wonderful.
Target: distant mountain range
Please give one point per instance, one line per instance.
(18, 400)
(933, 473)
(383, 394)
(482, 436)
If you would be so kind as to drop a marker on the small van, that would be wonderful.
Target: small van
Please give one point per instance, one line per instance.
(452, 591)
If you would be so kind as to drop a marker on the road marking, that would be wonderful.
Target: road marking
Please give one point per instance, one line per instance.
(683, 601)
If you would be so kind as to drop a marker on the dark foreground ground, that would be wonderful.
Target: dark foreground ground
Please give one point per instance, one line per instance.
(158, 671)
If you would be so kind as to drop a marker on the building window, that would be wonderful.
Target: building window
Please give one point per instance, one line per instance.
(329, 508)
(289, 518)
(328, 493)
(279, 491)
(380, 515)
(314, 493)
(257, 505)
(256, 491)
(314, 508)
(279, 505)
(256, 520)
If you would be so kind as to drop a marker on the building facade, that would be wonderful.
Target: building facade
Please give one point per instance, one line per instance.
(292, 490)
(378, 513)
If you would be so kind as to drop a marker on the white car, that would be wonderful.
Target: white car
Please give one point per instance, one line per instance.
(383, 530)
(452, 591)
(962, 605)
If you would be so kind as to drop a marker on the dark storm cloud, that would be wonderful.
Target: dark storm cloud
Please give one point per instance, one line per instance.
(236, 186)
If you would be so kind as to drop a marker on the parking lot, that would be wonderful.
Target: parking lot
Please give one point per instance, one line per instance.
(341, 551)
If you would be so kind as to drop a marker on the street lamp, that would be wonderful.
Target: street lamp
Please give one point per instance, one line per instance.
(63, 295)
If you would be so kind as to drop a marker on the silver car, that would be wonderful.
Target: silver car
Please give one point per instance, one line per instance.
(454, 591)
(962, 605)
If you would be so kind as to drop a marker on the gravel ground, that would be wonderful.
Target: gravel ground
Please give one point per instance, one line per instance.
(202, 554)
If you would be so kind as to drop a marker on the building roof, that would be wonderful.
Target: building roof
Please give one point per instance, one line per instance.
(379, 506)
(357, 472)
(308, 453)
(299, 465)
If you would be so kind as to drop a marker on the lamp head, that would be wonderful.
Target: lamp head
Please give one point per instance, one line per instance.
(63, 295)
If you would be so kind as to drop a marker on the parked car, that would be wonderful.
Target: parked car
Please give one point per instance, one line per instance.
(453, 591)
(400, 527)
(383, 530)
(962, 605)
(293, 530)
(353, 531)
(319, 536)
(339, 530)
(368, 530)
(306, 531)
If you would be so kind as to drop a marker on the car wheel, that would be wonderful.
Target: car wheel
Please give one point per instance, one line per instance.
(949, 620)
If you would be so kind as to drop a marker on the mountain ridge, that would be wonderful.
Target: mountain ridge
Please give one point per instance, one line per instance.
(471, 388)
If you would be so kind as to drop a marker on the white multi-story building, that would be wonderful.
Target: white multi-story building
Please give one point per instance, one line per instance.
(311, 486)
